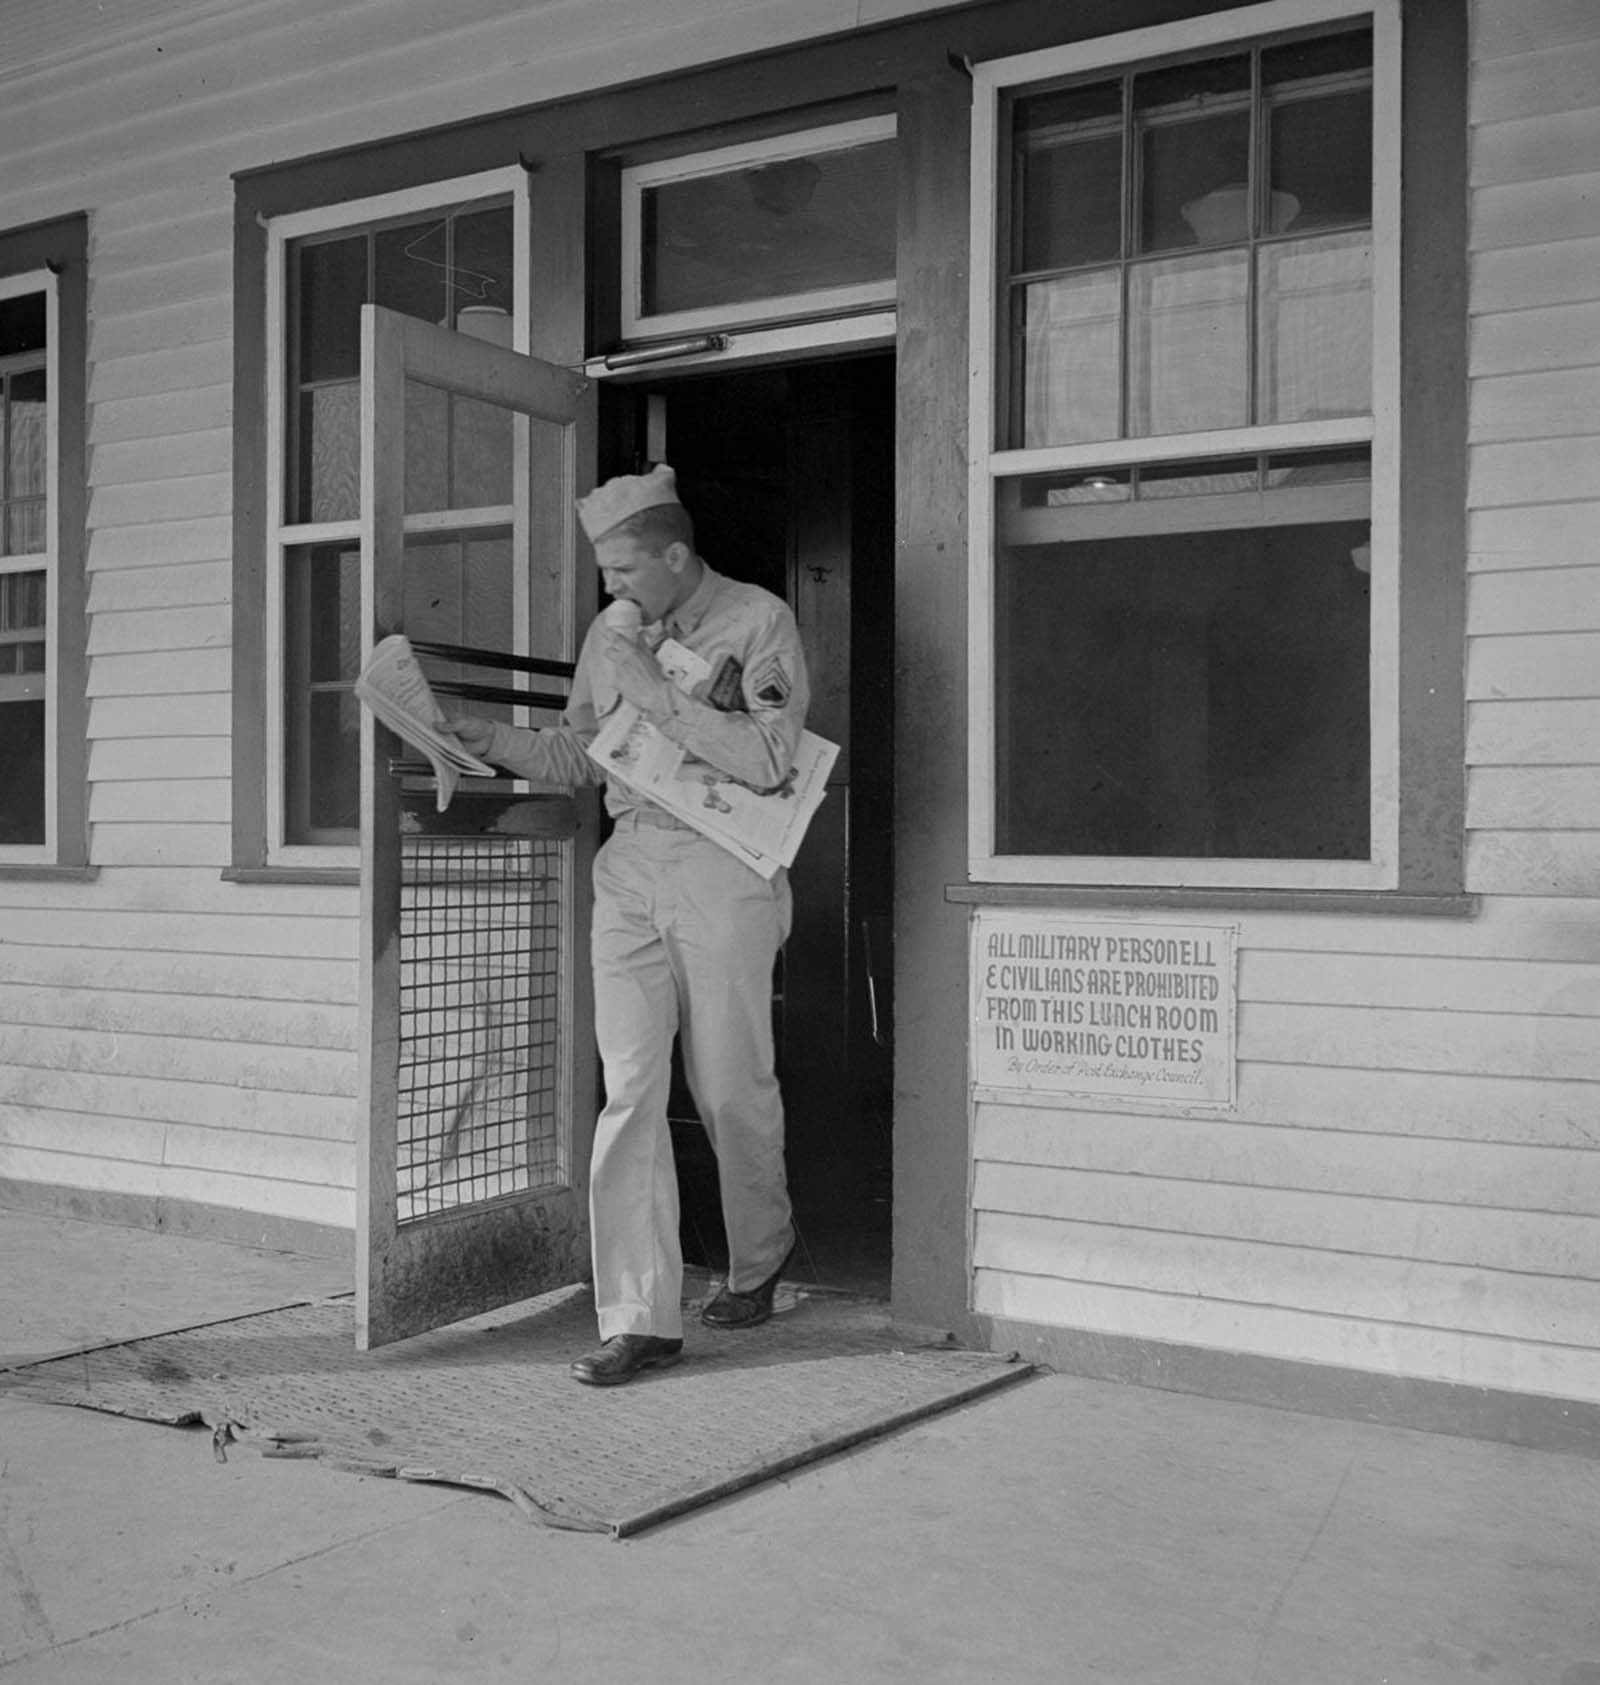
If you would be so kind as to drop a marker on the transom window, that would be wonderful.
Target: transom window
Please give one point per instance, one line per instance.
(455, 256)
(1185, 457)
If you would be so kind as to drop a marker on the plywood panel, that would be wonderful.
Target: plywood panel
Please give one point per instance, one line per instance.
(1550, 338)
(1377, 1228)
(157, 801)
(175, 1059)
(92, 1005)
(1536, 600)
(1536, 148)
(1553, 733)
(1446, 985)
(161, 845)
(1534, 406)
(326, 983)
(1502, 1304)
(1555, 535)
(1385, 1039)
(1548, 664)
(1535, 862)
(1548, 471)
(116, 1094)
(1510, 798)
(1519, 1365)
(1199, 1150)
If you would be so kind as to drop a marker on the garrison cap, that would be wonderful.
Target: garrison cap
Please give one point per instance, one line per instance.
(609, 505)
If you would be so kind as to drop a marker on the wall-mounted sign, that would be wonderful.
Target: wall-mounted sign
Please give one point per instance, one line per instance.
(1086, 1006)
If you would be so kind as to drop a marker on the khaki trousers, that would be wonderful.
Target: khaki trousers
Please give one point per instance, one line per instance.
(684, 939)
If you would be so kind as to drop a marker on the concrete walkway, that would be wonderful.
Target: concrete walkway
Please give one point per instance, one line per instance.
(1061, 1531)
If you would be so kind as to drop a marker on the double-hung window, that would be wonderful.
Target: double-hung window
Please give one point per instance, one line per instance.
(1185, 456)
(456, 255)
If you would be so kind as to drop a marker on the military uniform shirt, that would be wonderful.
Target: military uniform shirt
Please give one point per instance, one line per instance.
(744, 720)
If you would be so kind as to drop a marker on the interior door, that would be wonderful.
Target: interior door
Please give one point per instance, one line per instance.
(476, 1058)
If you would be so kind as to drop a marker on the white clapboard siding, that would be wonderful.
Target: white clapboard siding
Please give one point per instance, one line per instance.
(1397, 1347)
(38, 1088)
(1421, 983)
(1534, 339)
(191, 584)
(1227, 1152)
(1552, 536)
(1510, 798)
(1543, 1243)
(157, 801)
(1533, 863)
(263, 1022)
(183, 1058)
(1533, 666)
(203, 540)
(1299, 1278)
(1557, 78)
(1523, 278)
(328, 984)
(1517, 733)
(158, 716)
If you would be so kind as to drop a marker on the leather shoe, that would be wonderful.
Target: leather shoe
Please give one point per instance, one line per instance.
(623, 1356)
(746, 1310)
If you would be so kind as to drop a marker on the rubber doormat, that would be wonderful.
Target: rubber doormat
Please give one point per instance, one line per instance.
(490, 1404)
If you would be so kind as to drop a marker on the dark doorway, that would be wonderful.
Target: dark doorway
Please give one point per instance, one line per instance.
(789, 474)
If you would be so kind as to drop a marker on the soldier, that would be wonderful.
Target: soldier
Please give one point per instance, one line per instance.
(684, 934)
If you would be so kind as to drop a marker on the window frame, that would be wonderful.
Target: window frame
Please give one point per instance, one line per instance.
(284, 534)
(637, 179)
(988, 465)
(52, 257)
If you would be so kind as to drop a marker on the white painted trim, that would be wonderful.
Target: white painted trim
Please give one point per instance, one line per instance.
(509, 180)
(15, 286)
(986, 465)
(636, 180)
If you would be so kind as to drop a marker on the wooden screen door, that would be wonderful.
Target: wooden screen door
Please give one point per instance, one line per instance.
(476, 1074)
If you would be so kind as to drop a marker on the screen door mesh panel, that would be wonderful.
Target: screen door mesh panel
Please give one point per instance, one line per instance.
(480, 1005)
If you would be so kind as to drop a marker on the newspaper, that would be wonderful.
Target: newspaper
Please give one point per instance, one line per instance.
(394, 687)
(762, 828)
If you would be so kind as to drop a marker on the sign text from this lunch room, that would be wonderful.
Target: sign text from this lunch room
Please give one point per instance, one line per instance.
(1081, 1006)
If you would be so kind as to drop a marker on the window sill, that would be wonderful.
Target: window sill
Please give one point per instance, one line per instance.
(42, 872)
(1387, 902)
(343, 875)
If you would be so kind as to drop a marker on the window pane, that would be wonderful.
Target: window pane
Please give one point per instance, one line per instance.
(1314, 347)
(1185, 694)
(769, 231)
(329, 462)
(1067, 207)
(332, 287)
(333, 791)
(21, 770)
(22, 324)
(22, 601)
(457, 590)
(412, 266)
(1068, 360)
(1188, 360)
(1320, 156)
(484, 264)
(1193, 126)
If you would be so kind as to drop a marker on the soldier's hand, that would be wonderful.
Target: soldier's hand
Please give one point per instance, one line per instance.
(637, 676)
(475, 735)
